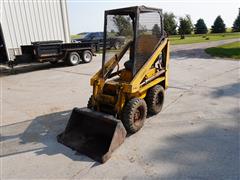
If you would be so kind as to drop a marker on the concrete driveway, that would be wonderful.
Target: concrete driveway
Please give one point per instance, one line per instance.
(196, 136)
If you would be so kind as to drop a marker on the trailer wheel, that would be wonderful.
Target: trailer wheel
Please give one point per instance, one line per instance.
(155, 99)
(86, 56)
(73, 58)
(134, 115)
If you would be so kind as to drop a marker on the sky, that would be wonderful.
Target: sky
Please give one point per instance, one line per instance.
(88, 16)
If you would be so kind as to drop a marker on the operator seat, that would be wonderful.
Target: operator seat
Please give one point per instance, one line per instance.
(129, 65)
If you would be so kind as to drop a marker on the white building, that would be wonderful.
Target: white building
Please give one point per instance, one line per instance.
(26, 21)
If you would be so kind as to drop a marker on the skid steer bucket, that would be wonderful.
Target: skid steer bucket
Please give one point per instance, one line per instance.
(93, 133)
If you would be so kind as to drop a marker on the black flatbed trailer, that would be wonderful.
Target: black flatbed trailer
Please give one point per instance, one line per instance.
(54, 51)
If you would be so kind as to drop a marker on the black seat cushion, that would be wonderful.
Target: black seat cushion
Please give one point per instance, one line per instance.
(129, 65)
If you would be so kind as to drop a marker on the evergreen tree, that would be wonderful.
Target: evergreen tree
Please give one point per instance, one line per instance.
(123, 25)
(200, 27)
(218, 26)
(170, 24)
(156, 30)
(185, 26)
(236, 24)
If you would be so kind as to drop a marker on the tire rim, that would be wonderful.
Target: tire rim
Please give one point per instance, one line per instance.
(74, 59)
(138, 116)
(87, 57)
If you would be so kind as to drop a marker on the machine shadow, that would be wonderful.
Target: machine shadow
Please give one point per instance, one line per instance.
(39, 136)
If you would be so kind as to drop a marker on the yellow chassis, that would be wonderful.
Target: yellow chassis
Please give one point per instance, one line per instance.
(127, 87)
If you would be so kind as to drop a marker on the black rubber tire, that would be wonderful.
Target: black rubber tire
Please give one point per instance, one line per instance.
(86, 56)
(134, 107)
(155, 99)
(73, 59)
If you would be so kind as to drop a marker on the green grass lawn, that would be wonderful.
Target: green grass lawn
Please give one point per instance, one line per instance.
(189, 39)
(231, 50)
(77, 36)
(193, 38)
(229, 30)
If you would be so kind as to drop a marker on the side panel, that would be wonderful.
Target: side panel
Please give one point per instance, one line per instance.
(3, 52)
(24, 22)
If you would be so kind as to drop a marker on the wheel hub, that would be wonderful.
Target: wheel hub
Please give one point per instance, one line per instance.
(87, 57)
(74, 58)
(137, 117)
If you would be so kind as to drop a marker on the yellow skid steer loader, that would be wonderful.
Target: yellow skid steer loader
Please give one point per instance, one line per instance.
(130, 84)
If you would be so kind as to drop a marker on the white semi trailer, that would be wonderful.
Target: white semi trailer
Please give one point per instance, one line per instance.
(23, 22)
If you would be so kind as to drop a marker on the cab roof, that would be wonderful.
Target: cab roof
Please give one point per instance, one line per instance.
(133, 9)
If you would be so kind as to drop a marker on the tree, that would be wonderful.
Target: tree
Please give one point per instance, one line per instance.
(156, 30)
(236, 24)
(200, 27)
(218, 26)
(170, 24)
(185, 26)
(123, 25)
(142, 29)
